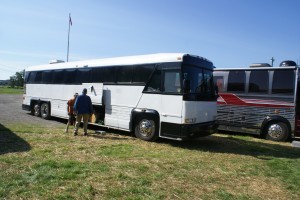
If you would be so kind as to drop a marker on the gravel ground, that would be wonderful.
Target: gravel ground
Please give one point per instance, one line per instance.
(11, 112)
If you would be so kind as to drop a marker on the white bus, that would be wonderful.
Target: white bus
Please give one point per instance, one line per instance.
(260, 100)
(143, 94)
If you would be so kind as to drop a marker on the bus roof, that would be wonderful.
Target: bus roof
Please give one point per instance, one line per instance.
(115, 61)
(254, 68)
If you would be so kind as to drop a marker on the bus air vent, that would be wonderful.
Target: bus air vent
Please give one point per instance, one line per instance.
(287, 63)
(56, 61)
(260, 65)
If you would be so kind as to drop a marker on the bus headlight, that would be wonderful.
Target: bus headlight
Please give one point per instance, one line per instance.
(189, 120)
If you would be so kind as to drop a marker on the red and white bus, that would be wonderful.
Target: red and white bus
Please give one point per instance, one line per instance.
(260, 100)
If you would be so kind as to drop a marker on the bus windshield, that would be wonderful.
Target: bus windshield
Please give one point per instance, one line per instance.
(198, 83)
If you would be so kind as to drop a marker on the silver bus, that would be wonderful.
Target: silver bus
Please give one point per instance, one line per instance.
(260, 100)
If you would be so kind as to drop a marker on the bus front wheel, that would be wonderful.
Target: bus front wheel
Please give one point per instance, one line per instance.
(146, 129)
(277, 131)
(45, 111)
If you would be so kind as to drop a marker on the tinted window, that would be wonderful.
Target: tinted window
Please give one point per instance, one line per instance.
(26, 76)
(31, 77)
(208, 82)
(283, 82)
(83, 76)
(141, 73)
(69, 76)
(172, 81)
(155, 82)
(259, 81)
(96, 75)
(38, 77)
(108, 74)
(47, 76)
(236, 81)
(58, 76)
(124, 74)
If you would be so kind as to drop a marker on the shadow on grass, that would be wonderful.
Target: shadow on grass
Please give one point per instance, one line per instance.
(10, 142)
(217, 144)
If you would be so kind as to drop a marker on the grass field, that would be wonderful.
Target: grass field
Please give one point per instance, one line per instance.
(9, 90)
(44, 163)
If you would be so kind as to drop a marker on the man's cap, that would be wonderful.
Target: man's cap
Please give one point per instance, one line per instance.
(76, 94)
(84, 90)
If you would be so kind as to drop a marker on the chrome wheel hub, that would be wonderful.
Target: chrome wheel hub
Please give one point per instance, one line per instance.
(146, 128)
(275, 131)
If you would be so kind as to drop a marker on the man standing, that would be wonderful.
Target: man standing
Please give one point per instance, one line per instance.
(71, 103)
(83, 108)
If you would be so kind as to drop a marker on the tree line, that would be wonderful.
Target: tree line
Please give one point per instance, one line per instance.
(17, 80)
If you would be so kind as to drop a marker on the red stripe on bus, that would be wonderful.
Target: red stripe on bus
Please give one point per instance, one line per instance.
(232, 99)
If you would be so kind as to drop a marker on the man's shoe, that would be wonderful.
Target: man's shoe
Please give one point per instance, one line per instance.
(75, 134)
(85, 134)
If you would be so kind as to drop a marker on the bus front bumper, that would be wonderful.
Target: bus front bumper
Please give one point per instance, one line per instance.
(186, 131)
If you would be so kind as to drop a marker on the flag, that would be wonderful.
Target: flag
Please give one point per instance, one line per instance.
(70, 20)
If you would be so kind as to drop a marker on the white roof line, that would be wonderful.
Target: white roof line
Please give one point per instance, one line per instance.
(125, 60)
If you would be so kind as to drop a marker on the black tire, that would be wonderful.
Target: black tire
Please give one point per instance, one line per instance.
(45, 111)
(37, 110)
(277, 131)
(146, 128)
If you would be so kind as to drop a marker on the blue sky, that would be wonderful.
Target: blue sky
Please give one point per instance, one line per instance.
(230, 33)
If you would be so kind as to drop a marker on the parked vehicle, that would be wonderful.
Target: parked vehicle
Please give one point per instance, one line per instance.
(160, 95)
(260, 100)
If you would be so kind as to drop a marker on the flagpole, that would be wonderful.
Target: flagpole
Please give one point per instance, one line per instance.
(69, 37)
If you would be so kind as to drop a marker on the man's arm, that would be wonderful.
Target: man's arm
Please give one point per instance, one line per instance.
(75, 107)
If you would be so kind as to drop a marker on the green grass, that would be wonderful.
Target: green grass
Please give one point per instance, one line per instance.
(9, 90)
(44, 163)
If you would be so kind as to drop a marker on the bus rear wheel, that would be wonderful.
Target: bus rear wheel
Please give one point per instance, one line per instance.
(277, 131)
(37, 110)
(45, 111)
(146, 129)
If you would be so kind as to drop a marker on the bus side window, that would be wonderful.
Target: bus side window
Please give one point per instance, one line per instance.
(38, 77)
(31, 77)
(109, 74)
(47, 77)
(124, 74)
(26, 77)
(155, 82)
(219, 83)
(97, 75)
(83, 76)
(172, 82)
(259, 81)
(141, 73)
(283, 82)
(236, 81)
(69, 76)
(58, 77)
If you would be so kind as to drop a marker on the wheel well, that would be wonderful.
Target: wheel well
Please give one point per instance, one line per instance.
(267, 122)
(139, 114)
(34, 102)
